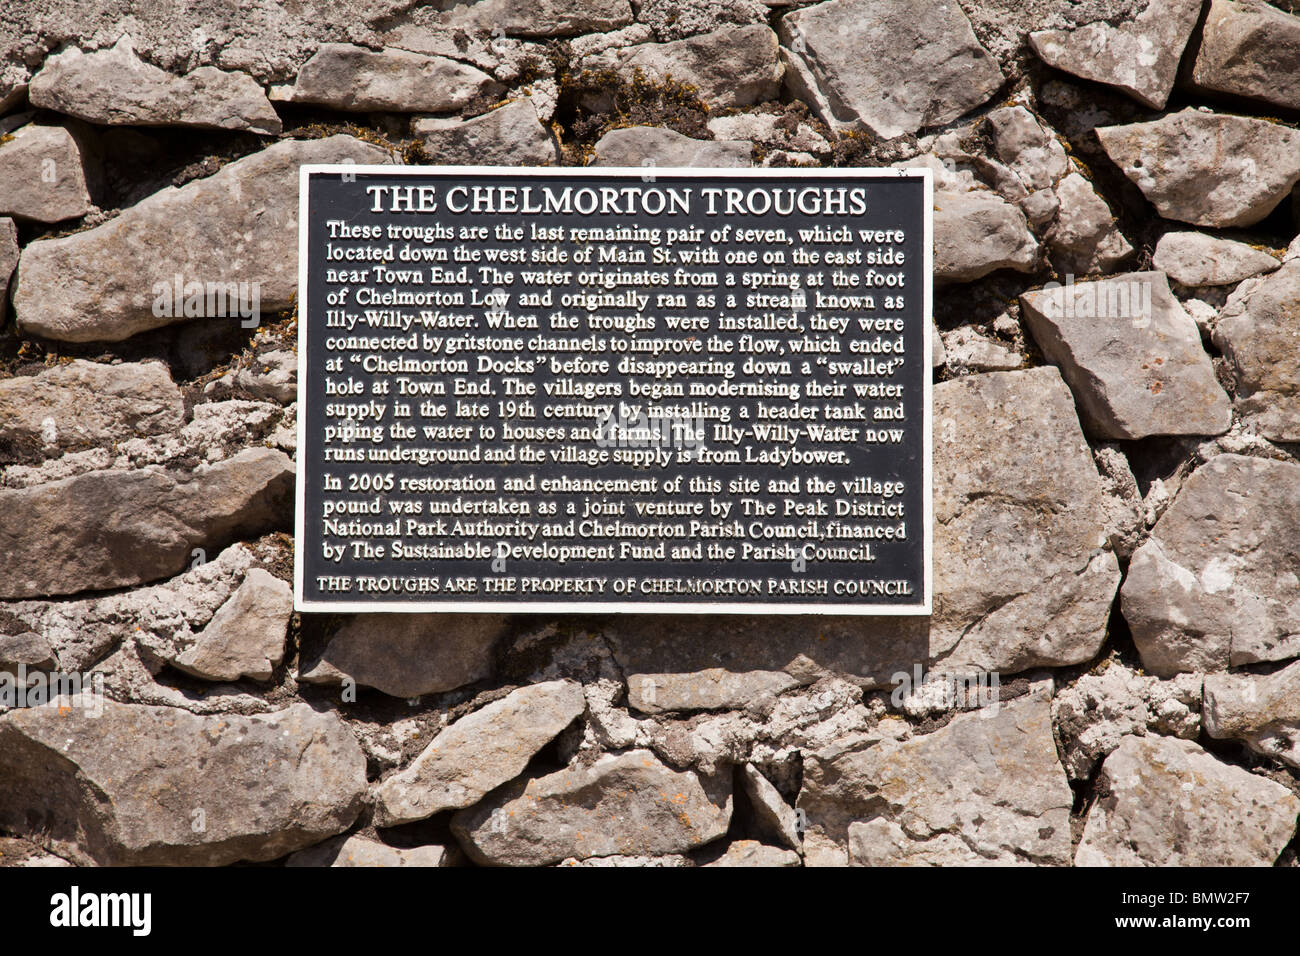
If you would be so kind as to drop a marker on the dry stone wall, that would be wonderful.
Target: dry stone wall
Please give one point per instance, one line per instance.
(1112, 669)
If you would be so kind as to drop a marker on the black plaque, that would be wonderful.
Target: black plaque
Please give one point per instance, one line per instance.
(590, 390)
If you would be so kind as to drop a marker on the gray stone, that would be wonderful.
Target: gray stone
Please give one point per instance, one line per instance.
(25, 650)
(511, 135)
(732, 67)
(1262, 710)
(967, 348)
(1139, 56)
(8, 262)
(1028, 147)
(239, 225)
(674, 19)
(1125, 511)
(1131, 355)
(772, 131)
(86, 404)
(272, 377)
(44, 174)
(667, 861)
(1096, 712)
(625, 804)
(1003, 26)
(775, 819)
(353, 78)
(1028, 165)
(1166, 802)
(986, 787)
(478, 753)
(1022, 576)
(114, 87)
(1084, 238)
(1195, 259)
(147, 786)
(529, 18)
(1249, 48)
(109, 529)
(1257, 332)
(362, 851)
(887, 66)
(753, 853)
(163, 618)
(245, 638)
(713, 689)
(407, 655)
(216, 432)
(938, 354)
(979, 232)
(652, 146)
(1209, 169)
(1215, 585)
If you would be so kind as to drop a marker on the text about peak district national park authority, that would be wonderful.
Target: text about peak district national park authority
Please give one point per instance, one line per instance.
(629, 390)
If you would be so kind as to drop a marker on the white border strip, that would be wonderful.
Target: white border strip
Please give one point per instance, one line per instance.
(621, 607)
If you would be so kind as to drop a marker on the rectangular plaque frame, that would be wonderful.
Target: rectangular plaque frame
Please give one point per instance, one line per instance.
(578, 604)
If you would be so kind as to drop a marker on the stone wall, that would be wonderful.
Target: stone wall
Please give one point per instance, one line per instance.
(1110, 674)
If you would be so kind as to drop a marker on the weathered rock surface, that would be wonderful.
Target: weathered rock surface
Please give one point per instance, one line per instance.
(714, 689)
(25, 650)
(1015, 488)
(1139, 56)
(163, 618)
(237, 226)
(479, 752)
(83, 404)
(1030, 152)
(1084, 238)
(651, 146)
(114, 87)
(1249, 48)
(1131, 355)
(217, 431)
(8, 261)
(108, 529)
(1262, 710)
(346, 77)
(407, 655)
(987, 787)
(1095, 713)
(141, 786)
(625, 804)
(731, 67)
(272, 377)
(509, 136)
(1209, 169)
(1215, 585)
(775, 819)
(753, 853)
(534, 18)
(363, 851)
(44, 174)
(245, 638)
(968, 348)
(1195, 259)
(979, 232)
(771, 131)
(1257, 333)
(887, 66)
(1166, 802)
